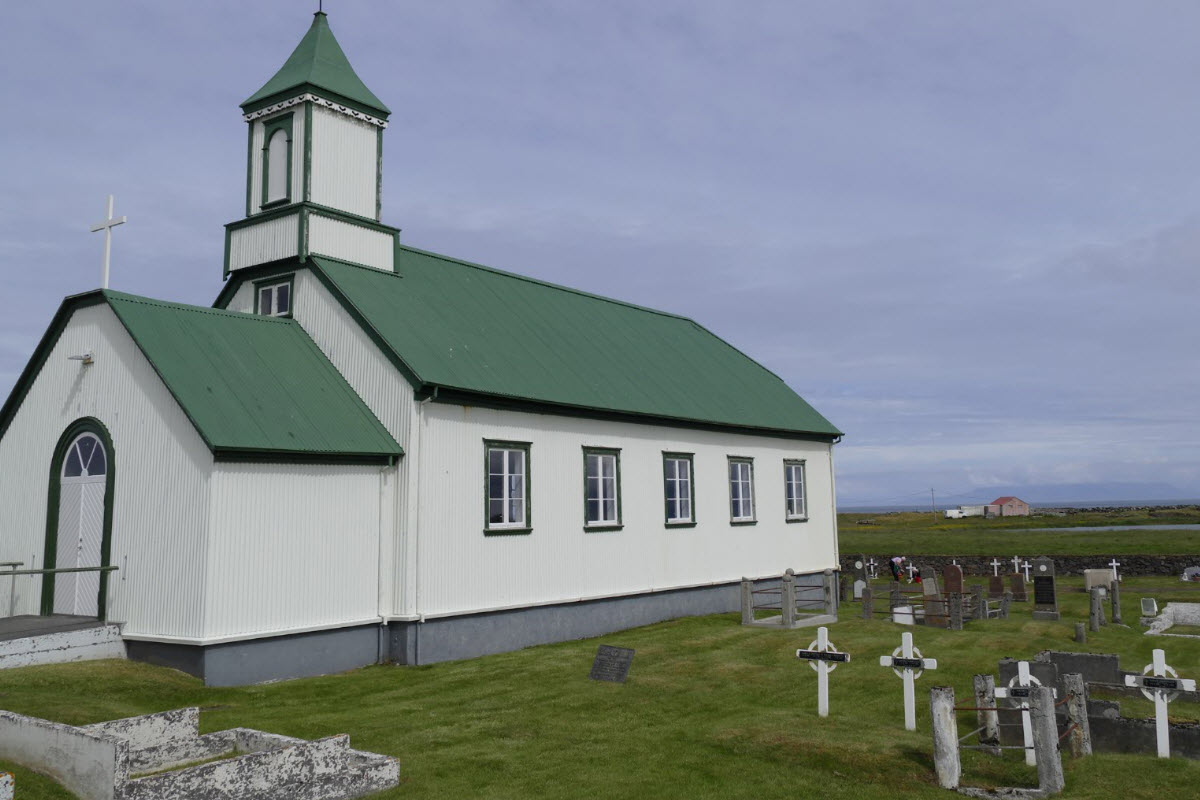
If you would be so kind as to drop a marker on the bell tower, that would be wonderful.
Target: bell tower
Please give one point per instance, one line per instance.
(314, 164)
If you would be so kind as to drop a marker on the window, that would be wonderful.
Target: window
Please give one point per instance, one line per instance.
(85, 458)
(277, 161)
(741, 490)
(274, 298)
(677, 479)
(601, 488)
(507, 503)
(793, 483)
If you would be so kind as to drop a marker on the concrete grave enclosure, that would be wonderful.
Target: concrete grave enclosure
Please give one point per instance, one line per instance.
(110, 760)
(1110, 732)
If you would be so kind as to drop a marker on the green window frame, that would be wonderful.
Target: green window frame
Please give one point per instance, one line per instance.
(741, 491)
(504, 461)
(795, 490)
(270, 128)
(602, 489)
(674, 494)
(273, 286)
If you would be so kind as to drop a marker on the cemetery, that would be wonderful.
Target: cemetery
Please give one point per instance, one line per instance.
(707, 706)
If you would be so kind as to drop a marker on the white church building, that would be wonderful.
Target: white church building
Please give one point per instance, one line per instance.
(364, 452)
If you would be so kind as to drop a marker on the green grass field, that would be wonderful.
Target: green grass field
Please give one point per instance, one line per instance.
(924, 534)
(711, 710)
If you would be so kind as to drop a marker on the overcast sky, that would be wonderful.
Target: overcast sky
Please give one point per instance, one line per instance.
(967, 232)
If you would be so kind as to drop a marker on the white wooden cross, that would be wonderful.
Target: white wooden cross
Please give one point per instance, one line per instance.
(822, 656)
(909, 566)
(1018, 691)
(107, 225)
(1163, 686)
(908, 664)
(871, 566)
(1016, 563)
(1025, 566)
(954, 561)
(1114, 564)
(996, 564)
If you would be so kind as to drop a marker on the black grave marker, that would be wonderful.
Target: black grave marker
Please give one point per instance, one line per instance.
(611, 664)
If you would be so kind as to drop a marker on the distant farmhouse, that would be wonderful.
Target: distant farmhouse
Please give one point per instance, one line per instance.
(1007, 506)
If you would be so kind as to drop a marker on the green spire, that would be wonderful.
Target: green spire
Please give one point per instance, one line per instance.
(318, 64)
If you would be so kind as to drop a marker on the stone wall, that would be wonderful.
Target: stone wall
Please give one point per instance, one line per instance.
(980, 566)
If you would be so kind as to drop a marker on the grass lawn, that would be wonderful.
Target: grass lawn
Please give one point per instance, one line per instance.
(711, 710)
(924, 534)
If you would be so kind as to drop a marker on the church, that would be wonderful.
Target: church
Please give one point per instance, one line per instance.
(363, 452)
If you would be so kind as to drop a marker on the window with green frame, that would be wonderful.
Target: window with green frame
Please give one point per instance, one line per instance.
(677, 488)
(277, 161)
(273, 297)
(795, 495)
(506, 490)
(741, 490)
(601, 488)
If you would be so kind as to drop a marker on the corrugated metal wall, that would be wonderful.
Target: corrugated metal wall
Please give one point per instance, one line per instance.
(292, 546)
(349, 242)
(344, 162)
(381, 387)
(256, 158)
(161, 472)
(270, 240)
(460, 569)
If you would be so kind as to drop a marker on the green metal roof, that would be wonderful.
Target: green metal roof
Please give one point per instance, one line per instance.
(468, 328)
(318, 63)
(252, 384)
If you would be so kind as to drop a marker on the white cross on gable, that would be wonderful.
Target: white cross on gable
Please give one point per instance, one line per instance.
(908, 664)
(107, 225)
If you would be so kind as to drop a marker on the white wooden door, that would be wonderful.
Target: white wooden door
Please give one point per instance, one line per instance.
(80, 526)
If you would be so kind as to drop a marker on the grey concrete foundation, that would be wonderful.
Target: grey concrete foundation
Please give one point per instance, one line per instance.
(434, 640)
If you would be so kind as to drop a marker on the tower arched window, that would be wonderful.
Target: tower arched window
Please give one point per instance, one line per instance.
(277, 161)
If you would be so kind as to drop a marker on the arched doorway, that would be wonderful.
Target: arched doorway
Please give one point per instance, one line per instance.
(79, 520)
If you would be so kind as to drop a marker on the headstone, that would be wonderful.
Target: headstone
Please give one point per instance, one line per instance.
(823, 657)
(1093, 578)
(995, 587)
(935, 604)
(611, 664)
(903, 615)
(996, 565)
(908, 664)
(859, 587)
(1191, 574)
(1149, 607)
(872, 569)
(952, 577)
(1080, 633)
(860, 568)
(868, 603)
(1016, 585)
(1045, 590)
(1161, 683)
(978, 602)
(1095, 609)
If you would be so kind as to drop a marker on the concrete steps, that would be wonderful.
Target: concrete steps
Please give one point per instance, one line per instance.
(74, 643)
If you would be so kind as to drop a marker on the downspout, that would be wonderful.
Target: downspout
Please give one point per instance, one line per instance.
(837, 555)
(380, 599)
(416, 531)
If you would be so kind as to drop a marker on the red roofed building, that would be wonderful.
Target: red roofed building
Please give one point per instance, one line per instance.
(1009, 506)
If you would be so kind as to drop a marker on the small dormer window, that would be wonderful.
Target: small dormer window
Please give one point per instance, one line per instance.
(274, 298)
(277, 161)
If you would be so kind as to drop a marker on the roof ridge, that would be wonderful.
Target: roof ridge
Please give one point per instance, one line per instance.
(111, 294)
(547, 284)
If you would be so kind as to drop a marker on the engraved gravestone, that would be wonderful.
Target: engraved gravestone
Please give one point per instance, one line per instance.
(1016, 585)
(995, 587)
(860, 576)
(952, 577)
(1045, 590)
(611, 664)
(935, 604)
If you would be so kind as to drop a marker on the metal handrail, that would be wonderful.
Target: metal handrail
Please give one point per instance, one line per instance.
(57, 570)
(12, 589)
